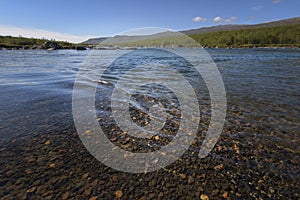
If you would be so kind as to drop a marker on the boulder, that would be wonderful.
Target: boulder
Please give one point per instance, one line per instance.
(51, 45)
(80, 48)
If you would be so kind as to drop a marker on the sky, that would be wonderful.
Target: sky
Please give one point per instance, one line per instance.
(78, 20)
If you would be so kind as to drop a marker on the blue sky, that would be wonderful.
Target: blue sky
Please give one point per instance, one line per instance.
(75, 20)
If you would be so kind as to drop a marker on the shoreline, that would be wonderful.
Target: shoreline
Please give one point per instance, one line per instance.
(82, 48)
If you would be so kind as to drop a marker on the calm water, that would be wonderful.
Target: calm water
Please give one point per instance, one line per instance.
(256, 156)
(262, 87)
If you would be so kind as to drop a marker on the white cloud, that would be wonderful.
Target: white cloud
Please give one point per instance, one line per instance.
(276, 1)
(257, 8)
(39, 33)
(231, 19)
(218, 19)
(223, 20)
(199, 19)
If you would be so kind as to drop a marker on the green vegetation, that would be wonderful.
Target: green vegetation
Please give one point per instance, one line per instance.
(172, 41)
(279, 36)
(28, 43)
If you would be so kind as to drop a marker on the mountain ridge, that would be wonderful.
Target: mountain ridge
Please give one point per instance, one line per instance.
(211, 29)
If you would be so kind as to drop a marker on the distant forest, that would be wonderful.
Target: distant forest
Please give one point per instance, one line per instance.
(27, 43)
(279, 36)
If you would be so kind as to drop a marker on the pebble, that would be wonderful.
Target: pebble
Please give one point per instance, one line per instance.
(94, 183)
(87, 192)
(143, 198)
(51, 165)
(218, 167)
(9, 173)
(31, 190)
(118, 194)
(190, 179)
(22, 195)
(151, 195)
(183, 176)
(225, 195)
(204, 197)
(236, 148)
(84, 176)
(47, 142)
(114, 178)
(66, 195)
(156, 137)
(93, 198)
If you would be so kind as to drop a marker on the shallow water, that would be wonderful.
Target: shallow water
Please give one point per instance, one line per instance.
(262, 89)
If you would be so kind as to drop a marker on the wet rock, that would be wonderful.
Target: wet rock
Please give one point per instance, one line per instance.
(22, 195)
(47, 142)
(94, 183)
(143, 198)
(183, 176)
(218, 167)
(66, 195)
(84, 176)
(51, 45)
(190, 179)
(52, 165)
(80, 48)
(152, 183)
(214, 192)
(41, 190)
(204, 197)
(87, 192)
(151, 195)
(118, 194)
(31, 190)
(225, 195)
(9, 172)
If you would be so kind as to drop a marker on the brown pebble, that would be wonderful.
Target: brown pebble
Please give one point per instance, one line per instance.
(113, 139)
(236, 148)
(182, 176)
(93, 198)
(204, 197)
(143, 198)
(118, 194)
(47, 142)
(114, 178)
(51, 165)
(156, 137)
(22, 195)
(218, 167)
(94, 183)
(9, 173)
(84, 176)
(87, 192)
(225, 195)
(66, 195)
(151, 195)
(31, 190)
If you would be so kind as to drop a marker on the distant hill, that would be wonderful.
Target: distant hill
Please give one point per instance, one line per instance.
(213, 29)
(229, 27)
(95, 40)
